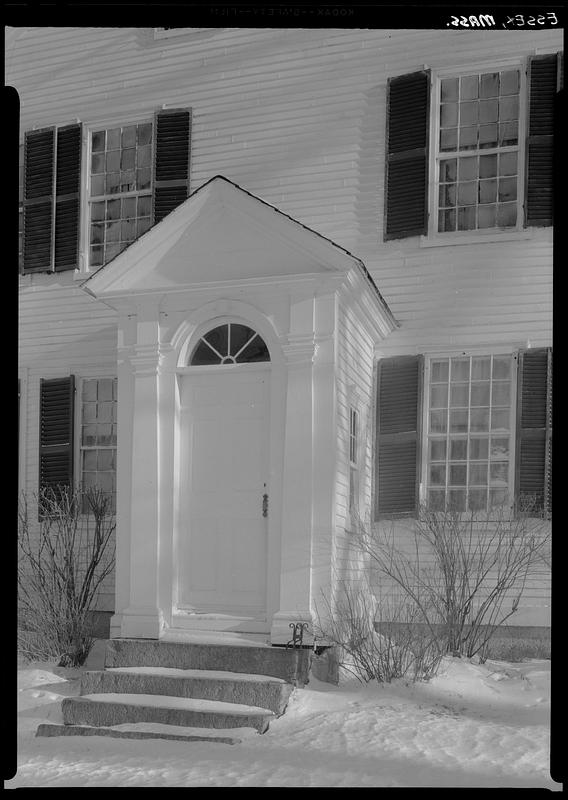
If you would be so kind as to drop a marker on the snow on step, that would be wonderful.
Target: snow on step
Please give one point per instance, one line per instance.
(111, 708)
(188, 703)
(149, 730)
(212, 674)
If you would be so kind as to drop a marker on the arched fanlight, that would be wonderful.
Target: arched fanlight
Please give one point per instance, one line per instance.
(230, 343)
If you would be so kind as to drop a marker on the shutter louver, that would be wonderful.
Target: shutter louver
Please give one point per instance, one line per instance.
(406, 182)
(171, 165)
(67, 206)
(56, 434)
(534, 433)
(38, 199)
(543, 84)
(398, 435)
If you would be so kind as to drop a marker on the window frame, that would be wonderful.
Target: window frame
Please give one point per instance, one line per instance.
(477, 234)
(513, 417)
(354, 441)
(88, 129)
(80, 378)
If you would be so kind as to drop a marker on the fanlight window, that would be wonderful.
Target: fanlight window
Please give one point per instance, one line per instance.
(229, 344)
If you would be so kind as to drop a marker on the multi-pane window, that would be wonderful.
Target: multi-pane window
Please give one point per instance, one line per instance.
(469, 432)
(478, 151)
(120, 189)
(353, 458)
(98, 435)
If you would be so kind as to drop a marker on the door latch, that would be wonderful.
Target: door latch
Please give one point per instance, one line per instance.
(264, 505)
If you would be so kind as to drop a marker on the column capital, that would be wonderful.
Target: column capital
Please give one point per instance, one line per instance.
(147, 359)
(300, 350)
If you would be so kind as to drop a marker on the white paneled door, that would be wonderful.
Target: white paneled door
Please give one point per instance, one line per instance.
(224, 539)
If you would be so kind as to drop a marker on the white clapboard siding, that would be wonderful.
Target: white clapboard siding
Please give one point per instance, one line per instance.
(297, 117)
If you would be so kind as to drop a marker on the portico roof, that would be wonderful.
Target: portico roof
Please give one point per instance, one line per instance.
(222, 232)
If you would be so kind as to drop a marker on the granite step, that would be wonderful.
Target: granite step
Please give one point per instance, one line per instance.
(148, 730)
(241, 688)
(291, 665)
(111, 709)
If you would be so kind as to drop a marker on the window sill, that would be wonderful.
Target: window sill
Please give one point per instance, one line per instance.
(449, 240)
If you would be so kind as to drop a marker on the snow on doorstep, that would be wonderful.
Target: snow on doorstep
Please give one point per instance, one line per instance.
(473, 725)
(187, 703)
(175, 672)
(159, 727)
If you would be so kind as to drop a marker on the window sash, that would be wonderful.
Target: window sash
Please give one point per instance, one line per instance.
(83, 449)
(92, 199)
(437, 155)
(446, 437)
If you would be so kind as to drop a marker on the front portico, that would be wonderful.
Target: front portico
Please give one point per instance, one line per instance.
(228, 374)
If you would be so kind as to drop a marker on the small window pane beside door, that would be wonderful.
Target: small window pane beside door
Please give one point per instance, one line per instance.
(98, 437)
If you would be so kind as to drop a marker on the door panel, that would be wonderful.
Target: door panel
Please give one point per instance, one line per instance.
(223, 548)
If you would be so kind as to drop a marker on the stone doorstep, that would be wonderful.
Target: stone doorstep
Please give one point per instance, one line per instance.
(110, 709)
(290, 665)
(145, 730)
(235, 688)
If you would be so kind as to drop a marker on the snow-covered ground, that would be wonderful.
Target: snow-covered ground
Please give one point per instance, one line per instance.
(473, 725)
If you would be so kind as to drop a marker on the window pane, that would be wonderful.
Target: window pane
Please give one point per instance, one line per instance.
(439, 396)
(436, 499)
(129, 136)
(437, 449)
(488, 135)
(480, 368)
(98, 141)
(478, 474)
(488, 111)
(459, 395)
(458, 420)
(478, 447)
(508, 108)
(507, 215)
(501, 367)
(458, 449)
(438, 421)
(487, 191)
(467, 168)
(499, 473)
(477, 500)
(449, 115)
(500, 419)
(449, 139)
(507, 189)
(469, 87)
(439, 371)
(479, 419)
(487, 166)
(447, 221)
(508, 164)
(460, 369)
(448, 194)
(468, 113)
(458, 474)
(448, 170)
(144, 132)
(456, 499)
(468, 138)
(489, 85)
(449, 89)
(508, 134)
(509, 83)
(497, 498)
(486, 216)
(438, 475)
(501, 394)
(480, 394)
(499, 447)
(89, 390)
(466, 218)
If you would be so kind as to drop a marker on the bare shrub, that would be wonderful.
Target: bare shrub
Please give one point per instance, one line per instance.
(379, 642)
(62, 562)
(464, 573)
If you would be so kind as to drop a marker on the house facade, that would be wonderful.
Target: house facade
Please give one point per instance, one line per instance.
(276, 284)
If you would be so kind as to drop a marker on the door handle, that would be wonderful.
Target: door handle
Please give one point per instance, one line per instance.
(264, 505)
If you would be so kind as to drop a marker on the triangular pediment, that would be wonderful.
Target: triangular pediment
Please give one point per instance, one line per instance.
(220, 233)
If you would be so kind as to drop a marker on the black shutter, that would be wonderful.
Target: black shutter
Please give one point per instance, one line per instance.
(171, 163)
(67, 203)
(39, 155)
(56, 434)
(534, 431)
(406, 193)
(543, 84)
(398, 435)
